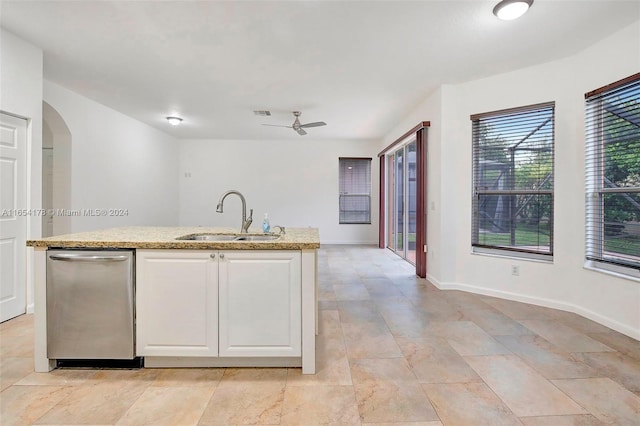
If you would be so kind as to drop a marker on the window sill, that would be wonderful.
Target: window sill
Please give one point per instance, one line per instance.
(506, 254)
(613, 270)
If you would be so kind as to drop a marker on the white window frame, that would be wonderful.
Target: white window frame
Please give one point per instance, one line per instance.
(363, 191)
(595, 255)
(505, 251)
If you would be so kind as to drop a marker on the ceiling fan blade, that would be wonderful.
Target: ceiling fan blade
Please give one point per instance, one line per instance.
(301, 132)
(277, 125)
(314, 124)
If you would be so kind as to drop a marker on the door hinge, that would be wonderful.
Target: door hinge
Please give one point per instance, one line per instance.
(426, 250)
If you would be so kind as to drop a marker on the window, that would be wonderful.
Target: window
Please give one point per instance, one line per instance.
(513, 181)
(355, 190)
(613, 176)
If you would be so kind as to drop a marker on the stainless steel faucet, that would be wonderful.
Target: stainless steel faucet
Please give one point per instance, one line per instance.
(246, 222)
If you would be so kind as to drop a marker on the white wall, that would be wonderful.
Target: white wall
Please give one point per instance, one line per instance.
(47, 135)
(295, 181)
(565, 283)
(116, 163)
(21, 94)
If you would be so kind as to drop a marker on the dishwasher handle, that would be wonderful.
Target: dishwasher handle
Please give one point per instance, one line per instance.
(87, 258)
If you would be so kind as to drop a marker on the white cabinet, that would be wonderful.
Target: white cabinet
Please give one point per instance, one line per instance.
(176, 303)
(260, 303)
(205, 303)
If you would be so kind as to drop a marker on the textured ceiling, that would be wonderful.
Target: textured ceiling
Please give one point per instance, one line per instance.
(358, 65)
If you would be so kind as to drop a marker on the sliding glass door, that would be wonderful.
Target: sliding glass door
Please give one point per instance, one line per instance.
(411, 198)
(390, 209)
(402, 201)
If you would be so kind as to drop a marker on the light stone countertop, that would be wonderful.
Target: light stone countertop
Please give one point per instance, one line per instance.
(158, 237)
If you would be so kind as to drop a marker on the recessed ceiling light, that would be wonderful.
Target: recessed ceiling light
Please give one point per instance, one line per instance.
(174, 121)
(508, 10)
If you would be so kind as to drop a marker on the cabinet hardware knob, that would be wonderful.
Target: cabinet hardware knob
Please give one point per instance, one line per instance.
(221, 255)
(212, 255)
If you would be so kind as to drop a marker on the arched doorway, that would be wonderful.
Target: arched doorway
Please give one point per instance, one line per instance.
(56, 172)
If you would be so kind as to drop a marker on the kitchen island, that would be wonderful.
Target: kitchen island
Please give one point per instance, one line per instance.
(207, 303)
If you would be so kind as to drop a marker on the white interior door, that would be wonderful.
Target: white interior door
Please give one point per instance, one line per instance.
(13, 215)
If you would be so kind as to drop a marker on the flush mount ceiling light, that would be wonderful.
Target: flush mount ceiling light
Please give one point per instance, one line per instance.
(508, 10)
(174, 121)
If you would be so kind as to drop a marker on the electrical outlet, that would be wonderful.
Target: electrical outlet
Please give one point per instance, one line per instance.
(515, 270)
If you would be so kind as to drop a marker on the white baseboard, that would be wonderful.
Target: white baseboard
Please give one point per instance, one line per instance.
(31, 308)
(540, 301)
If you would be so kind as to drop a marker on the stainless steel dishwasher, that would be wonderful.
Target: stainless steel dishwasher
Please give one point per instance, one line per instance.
(90, 304)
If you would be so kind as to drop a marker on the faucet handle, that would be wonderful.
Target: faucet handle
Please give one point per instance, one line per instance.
(281, 229)
(247, 222)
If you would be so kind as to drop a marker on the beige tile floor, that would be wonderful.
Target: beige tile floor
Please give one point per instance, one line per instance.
(392, 349)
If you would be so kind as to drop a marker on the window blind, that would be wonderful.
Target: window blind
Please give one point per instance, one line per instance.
(513, 153)
(612, 131)
(355, 190)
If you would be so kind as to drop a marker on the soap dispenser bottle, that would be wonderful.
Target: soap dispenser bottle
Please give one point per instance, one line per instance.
(266, 227)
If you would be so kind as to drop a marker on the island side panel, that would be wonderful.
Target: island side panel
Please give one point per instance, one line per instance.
(41, 362)
(315, 291)
(309, 311)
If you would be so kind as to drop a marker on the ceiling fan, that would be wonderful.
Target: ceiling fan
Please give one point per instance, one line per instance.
(297, 126)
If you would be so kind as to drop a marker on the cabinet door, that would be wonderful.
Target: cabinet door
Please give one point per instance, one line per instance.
(260, 303)
(177, 303)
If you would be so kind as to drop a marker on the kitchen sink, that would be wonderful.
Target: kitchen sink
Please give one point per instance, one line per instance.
(207, 237)
(228, 237)
(256, 237)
